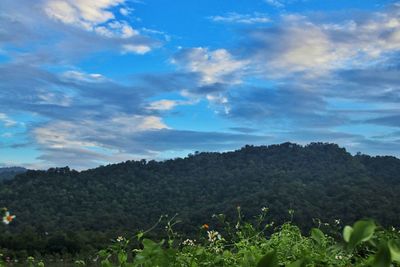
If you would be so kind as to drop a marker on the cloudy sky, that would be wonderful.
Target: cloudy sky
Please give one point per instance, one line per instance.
(85, 83)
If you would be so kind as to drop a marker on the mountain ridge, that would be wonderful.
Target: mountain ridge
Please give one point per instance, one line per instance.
(7, 173)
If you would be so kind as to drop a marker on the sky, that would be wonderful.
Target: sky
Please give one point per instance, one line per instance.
(86, 83)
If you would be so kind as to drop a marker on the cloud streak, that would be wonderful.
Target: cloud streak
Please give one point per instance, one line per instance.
(246, 19)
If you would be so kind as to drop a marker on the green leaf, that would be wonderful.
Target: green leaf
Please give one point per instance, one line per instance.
(362, 231)
(298, 263)
(394, 247)
(347, 233)
(106, 263)
(149, 244)
(139, 235)
(382, 258)
(269, 260)
(317, 235)
(122, 257)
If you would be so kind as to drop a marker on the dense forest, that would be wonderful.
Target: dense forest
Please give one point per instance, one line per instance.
(63, 211)
(7, 173)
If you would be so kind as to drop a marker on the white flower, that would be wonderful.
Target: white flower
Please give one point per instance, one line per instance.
(213, 236)
(264, 209)
(337, 221)
(120, 239)
(188, 242)
(7, 218)
(338, 257)
(237, 225)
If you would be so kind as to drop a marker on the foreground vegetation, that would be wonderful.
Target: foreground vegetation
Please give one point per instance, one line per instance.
(249, 244)
(254, 244)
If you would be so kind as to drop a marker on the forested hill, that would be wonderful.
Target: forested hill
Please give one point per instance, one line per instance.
(7, 173)
(316, 181)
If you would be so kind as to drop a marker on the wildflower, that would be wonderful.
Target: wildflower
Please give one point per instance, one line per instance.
(217, 250)
(264, 209)
(205, 226)
(188, 242)
(120, 239)
(337, 221)
(213, 236)
(237, 225)
(7, 218)
(338, 257)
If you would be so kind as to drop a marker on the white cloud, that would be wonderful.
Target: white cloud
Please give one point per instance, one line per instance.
(116, 29)
(89, 133)
(241, 18)
(60, 135)
(53, 98)
(315, 49)
(84, 77)
(97, 16)
(136, 123)
(166, 104)
(163, 104)
(219, 100)
(153, 32)
(302, 47)
(8, 122)
(125, 11)
(86, 13)
(275, 3)
(94, 142)
(137, 49)
(217, 66)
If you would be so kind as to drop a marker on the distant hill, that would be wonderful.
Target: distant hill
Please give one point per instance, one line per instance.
(7, 173)
(62, 210)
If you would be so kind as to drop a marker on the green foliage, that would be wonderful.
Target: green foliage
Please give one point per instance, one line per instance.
(317, 235)
(31, 262)
(382, 258)
(347, 231)
(249, 245)
(361, 231)
(394, 246)
(269, 260)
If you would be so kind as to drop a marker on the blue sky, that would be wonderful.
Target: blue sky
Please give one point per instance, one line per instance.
(85, 83)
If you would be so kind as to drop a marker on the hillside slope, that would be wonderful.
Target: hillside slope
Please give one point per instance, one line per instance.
(7, 173)
(317, 181)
